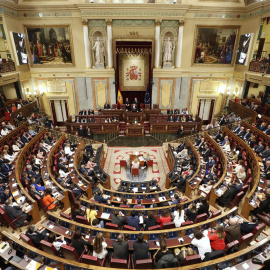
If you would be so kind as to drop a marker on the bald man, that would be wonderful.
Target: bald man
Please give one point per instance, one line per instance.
(233, 231)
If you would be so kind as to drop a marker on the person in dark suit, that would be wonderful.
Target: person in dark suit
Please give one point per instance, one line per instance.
(24, 138)
(180, 131)
(107, 105)
(248, 227)
(19, 140)
(265, 153)
(133, 220)
(127, 103)
(91, 112)
(100, 199)
(5, 195)
(150, 221)
(42, 149)
(241, 133)
(83, 112)
(180, 147)
(170, 118)
(91, 120)
(228, 196)
(267, 131)
(78, 242)
(14, 212)
(263, 205)
(259, 148)
(6, 168)
(204, 207)
(81, 131)
(120, 248)
(136, 101)
(134, 107)
(78, 120)
(237, 129)
(247, 136)
(267, 169)
(178, 119)
(206, 153)
(170, 111)
(141, 248)
(118, 218)
(35, 236)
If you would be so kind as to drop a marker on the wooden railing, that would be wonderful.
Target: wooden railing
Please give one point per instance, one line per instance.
(242, 111)
(9, 137)
(189, 188)
(11, 101)
(223, 160)
(62, 263)
(9, 66)
(259, 103)
(265, 119)
(21, 163)
(26, 111)
(255, 171)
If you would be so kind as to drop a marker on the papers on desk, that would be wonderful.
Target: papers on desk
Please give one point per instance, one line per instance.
(140, 158)
(28, 208)
(143, 188)
(106, 196)
(70, 165)
(233, 268)
(87, 237)
(67, 232)
(51, 226)
(2, 250)
(33, 265)
(16, 193)
(161, 199)
(180, 239)
(14, 185)
(140, 219)
(158, 244)
(118, 199)
(135, 189)
(219, 192)
(21, 199)
(245, 266)
(105, 215)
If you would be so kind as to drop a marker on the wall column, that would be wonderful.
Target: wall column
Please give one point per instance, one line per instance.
(179, 44)
(157, 45)
(109, 34)
(86, 44)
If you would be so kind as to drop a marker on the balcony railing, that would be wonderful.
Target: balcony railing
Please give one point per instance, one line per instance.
(134, 1)
(261, 66)
(7, 67)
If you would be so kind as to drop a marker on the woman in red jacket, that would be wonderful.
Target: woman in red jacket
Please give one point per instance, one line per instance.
(7, 114)
(165, 217)
(217, 240)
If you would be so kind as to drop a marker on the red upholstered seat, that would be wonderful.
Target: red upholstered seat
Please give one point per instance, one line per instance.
(64, 215)
(119, 263)
(142, 264)
(257, 230)
(150, 163)
(147, 106)
(123, 163)
(111, 226)
(26, 239)
(8, 221)
(48, 248)
(154, 228)
(135, 171)
(82, 220)
(245, 241)
(200, 218)
(237, 199)
(93, 260)
(192, 259)
(187, 223)
(70, 253)
(216, 213)
(231, 245)
(129, 228)
(168, 225)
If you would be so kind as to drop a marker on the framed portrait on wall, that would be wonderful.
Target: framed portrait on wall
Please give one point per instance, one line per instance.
(215, 45)
(243, 49)
(134, 72)
(20, 48)
(49, 45)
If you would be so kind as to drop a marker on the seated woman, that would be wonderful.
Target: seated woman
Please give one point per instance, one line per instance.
(7, 156)
(179, 216)
(99, 247)
(49, 200)
(165, 217)
(76, 210)
(217, 238)
(56, 241)
(90, 165)
(190, 171)
(150, 221)
(78, 242)
(68, 151)
(162, 251)
(184, 119)
(238, 166)
(135, 164)
(13, 108)
(191, 212)
(38, 187)
(227, 147)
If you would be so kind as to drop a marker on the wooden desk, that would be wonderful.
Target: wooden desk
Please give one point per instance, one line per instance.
(130, 116)
(132, 158)
(135, 130)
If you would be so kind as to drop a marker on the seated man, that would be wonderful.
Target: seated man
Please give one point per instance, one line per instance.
(118, 218)
(248, 227)
(133, 220)
(14, 212)
(127, 103)
(141, 248)
(35, 236)
(107, 105)
(120, 248)
(134, 107)
(233, 231)
(100, 199)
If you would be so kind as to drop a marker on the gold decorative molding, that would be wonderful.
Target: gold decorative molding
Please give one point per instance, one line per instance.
(158, 22)
(108, 21)
(181, 22)
(84, 22)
